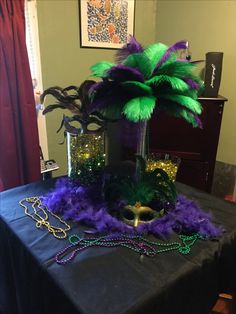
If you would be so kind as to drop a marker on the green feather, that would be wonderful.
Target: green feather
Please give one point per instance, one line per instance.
(159, 180)
(201, 86)
(140, 108)
(137, 88)
(190, 93)
(140, 62)
(189, 117)
(141, 192)
(154, 53)
(160, 90)
(133, 192)
(185, 101)
(179, 69)
(179, 112)
(152, 185)
(112, 112)
(99, 69)
(175, 82)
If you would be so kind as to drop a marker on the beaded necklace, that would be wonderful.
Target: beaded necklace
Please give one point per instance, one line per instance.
(135, 243)
(40, 215)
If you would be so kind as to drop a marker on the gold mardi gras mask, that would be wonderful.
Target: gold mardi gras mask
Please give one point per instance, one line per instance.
(138, 214)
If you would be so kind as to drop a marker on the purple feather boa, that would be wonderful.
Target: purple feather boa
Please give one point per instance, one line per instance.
(85, 204)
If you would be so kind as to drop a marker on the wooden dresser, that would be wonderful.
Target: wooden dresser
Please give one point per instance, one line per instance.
(197, 148)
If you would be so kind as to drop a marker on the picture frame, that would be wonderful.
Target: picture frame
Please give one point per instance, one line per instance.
(106, 23)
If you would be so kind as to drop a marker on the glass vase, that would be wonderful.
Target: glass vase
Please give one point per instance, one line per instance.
(85, 156)
(142, 141)
(168, 163)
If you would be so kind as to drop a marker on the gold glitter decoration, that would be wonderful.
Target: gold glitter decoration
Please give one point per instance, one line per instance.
(85, 154)
(165, 162)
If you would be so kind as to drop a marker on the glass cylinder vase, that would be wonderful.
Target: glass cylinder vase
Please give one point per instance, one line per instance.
(85, 156)
(166, 162)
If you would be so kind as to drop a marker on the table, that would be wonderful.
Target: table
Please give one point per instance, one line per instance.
(110, 281)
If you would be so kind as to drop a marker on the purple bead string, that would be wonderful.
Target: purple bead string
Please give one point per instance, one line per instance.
(133, 243)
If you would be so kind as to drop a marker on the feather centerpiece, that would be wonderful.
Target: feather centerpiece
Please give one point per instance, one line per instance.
(145, 79)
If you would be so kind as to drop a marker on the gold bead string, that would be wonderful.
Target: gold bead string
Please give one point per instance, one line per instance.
(42, 218)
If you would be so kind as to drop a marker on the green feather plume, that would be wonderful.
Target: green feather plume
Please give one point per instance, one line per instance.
(176, 83)
(112, 112)
(188, 116)
(154, 53)
(185, 101)
(140, 62)
(180, 112)
(137, 88)
(178, 69)
(140, 108)
(153, 185)
(99, 69)
(167, 80)
(137, 192)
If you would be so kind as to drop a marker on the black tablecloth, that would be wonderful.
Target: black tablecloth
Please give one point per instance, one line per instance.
(110, 281)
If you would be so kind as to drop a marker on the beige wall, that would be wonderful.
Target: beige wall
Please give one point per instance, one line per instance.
(209, 26)
(64, 63)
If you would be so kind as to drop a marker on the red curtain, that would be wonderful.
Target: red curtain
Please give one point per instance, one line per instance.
(19, 143)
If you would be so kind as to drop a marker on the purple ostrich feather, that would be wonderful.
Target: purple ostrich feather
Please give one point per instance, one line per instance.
(199, 122)
(179, 45)
(106, 94)
(133, 46)
(192, 84)
(122, 73)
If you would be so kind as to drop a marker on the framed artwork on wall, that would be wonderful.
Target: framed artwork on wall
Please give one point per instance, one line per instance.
(106, 23)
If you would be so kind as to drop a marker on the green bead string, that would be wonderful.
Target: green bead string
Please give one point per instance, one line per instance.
(188, 242)
(183, 247)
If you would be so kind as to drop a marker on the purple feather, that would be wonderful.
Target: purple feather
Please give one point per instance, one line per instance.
(105, 94)
(122, 73)
(94, 88)
(192, 84)
(177, 46)
(133, 46)
(85, 205)
(198, 121)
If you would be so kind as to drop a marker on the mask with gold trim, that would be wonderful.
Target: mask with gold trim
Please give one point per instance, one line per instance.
(138, 214)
